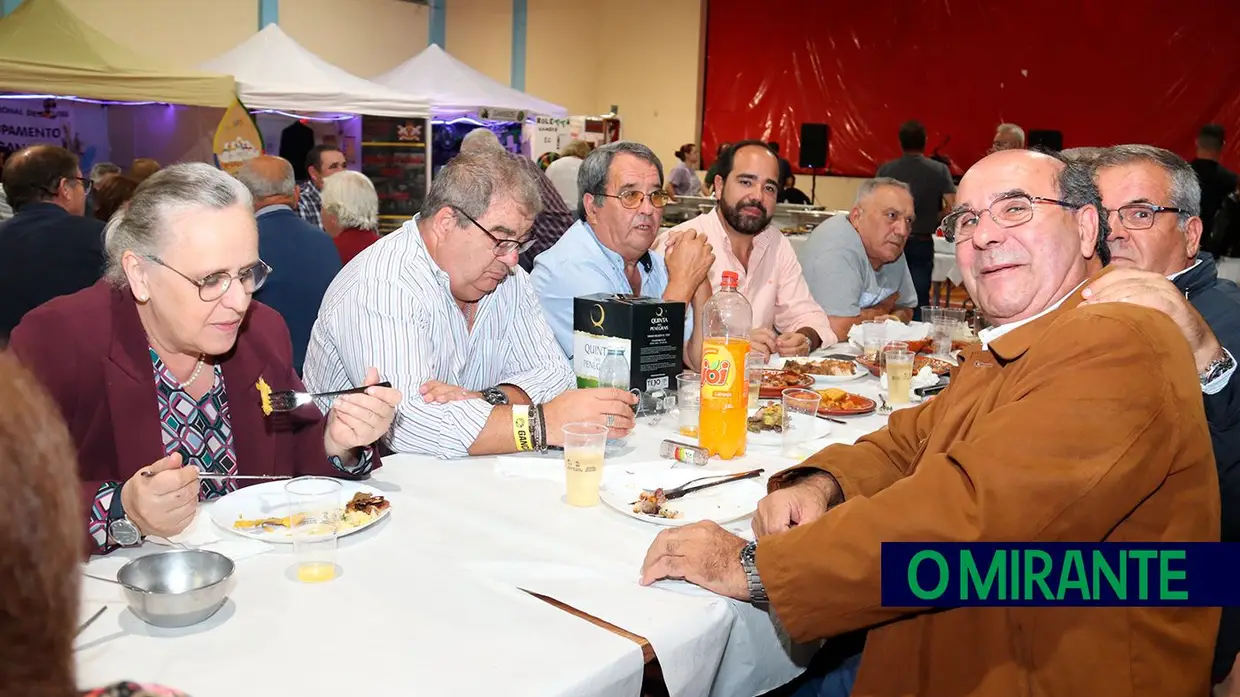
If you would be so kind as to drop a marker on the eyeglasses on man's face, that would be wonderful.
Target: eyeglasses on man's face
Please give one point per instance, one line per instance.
(633, 198)
(503, 246)
(1140, 216)
(1007, 212)
(213, 286)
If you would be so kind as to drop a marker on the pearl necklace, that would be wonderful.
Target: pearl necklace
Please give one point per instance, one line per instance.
(197, 371)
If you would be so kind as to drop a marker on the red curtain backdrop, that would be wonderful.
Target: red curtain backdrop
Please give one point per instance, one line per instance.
(1101, 71)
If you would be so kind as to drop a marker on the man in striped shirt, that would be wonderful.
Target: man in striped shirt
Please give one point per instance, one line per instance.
(441, 308)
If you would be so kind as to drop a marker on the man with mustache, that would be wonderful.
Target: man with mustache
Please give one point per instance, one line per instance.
(445, 313)
(1068, 423)
(855, 265)
(787, 321)
(1153, 200)
(608, 249)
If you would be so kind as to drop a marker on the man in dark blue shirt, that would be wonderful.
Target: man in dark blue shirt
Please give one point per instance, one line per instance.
(303, 259)
(1153, 201)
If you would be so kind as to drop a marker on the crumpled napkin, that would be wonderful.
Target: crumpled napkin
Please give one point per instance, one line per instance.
(924, 378)
(893, 330)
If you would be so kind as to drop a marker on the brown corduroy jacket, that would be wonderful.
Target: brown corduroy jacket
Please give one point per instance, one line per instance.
(1084, 425)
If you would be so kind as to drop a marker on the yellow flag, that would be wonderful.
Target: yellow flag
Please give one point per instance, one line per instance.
(236, 140)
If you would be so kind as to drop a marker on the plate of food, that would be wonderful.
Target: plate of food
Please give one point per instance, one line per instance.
(775, 381)
(826, 371)
(766, 426)
(262, 512)
(940, 366)
(640, 496)
(837, 402)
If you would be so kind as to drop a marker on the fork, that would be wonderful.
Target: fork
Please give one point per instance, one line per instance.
(885, 408)
(677, 492)
(288, 400)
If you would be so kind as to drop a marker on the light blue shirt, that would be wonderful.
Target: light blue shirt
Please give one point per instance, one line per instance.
(580, 265)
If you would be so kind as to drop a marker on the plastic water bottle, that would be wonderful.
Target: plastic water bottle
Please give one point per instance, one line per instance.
(614, 372)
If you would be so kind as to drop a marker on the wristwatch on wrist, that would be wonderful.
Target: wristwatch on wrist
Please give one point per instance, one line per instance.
(749, 562)
(121, 530)
(1217, 367)
(495, 396)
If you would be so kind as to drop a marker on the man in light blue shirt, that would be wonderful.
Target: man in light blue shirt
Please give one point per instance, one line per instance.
(608, 249)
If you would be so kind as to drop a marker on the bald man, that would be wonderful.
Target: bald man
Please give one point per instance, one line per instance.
(303, 258)
(1068, 423)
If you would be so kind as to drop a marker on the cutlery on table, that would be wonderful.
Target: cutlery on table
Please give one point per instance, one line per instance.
(833, 420)
(885, 408)
(82, 627)
(223, 477)
(680, 491)
(288, 400)
(116, 583)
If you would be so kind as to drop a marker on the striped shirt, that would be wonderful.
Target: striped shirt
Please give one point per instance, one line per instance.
(392, 308)
(310, 203)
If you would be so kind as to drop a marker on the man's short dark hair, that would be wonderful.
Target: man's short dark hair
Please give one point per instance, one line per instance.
(34, 173)
(728, 158)
(773, 146)
(1078, 189)
(913, 136)
(1211, 137)
(314, 158)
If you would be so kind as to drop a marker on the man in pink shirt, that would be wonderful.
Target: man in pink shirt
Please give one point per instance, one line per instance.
(787, 320)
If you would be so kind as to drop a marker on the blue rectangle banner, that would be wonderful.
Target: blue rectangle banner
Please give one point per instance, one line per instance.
(1068, 574)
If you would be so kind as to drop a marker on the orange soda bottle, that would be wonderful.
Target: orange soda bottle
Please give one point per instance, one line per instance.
(722, 425)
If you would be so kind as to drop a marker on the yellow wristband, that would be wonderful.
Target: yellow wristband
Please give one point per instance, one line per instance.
(521, 427)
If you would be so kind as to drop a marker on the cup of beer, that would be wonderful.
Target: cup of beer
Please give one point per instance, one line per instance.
(585, 445)
(899, 377)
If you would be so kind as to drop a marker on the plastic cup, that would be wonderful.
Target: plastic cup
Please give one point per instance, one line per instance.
(899, 377)
(315, 508)
(585, 448)
(873, 334)
(754, 364)
(890, 346)
(689, 403)
(800, 425)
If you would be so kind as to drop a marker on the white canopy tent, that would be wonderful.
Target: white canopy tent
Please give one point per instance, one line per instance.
(455, 89)
(275, 72)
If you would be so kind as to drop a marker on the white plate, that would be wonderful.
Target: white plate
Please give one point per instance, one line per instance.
(268, 500)
(722, 504)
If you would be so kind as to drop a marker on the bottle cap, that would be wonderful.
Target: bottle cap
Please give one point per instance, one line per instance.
(730, 279)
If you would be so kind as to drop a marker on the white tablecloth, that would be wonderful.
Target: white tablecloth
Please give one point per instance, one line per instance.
(945, 268)
(430, 597)
(1229, 268)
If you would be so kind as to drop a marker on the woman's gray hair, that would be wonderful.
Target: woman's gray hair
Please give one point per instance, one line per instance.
(473, 181)
(1185, 187)
(592, 177)
(869, 186)
(351, 197)
(142, 226)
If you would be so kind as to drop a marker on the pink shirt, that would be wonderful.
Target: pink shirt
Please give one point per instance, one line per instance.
(773, 284)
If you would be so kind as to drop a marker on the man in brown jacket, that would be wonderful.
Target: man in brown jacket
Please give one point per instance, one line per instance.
(1069, 424)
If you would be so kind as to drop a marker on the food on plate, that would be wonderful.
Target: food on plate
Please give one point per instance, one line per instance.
(654, 503)
(287, 521)
(920, 345)
(363, 508)
(836, 399)
(264, 393)
(828, 366)
(937, 365)
(768, 418)
(783, 379)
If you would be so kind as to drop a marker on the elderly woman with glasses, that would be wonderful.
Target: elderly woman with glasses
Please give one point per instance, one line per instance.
(160, 368)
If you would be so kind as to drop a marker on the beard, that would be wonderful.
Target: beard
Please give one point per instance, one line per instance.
(747, 225)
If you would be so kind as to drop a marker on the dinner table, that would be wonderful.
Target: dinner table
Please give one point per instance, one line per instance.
(482, 580)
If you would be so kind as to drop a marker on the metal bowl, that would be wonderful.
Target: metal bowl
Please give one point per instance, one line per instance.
(182, 587)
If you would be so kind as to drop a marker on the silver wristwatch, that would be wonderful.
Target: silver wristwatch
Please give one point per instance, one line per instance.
(495, 396)
(749, 562)
(1217, 367)
(124, 533)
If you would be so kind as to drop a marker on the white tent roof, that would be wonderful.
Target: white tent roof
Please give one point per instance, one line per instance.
(275, 72)
(454, 88)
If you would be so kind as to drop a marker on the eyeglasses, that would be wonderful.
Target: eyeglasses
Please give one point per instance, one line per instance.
(53, 188)
(1140, 216)
(502, 246)
(86, 183)
(1007, 212)
(213, 287)
(633, 198)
